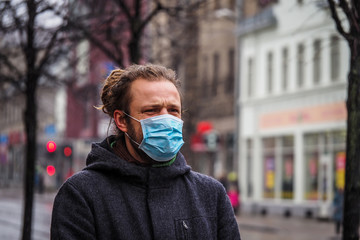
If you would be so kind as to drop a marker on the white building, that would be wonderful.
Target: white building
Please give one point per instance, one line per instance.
(293, 81)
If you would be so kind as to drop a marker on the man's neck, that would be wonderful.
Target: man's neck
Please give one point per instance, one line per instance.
(127, 150)
(136, 154)
(124, 148)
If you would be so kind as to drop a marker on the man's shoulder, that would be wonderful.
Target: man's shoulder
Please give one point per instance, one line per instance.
(203, 179)
(81, 178)
(83, 183)
(84, 173)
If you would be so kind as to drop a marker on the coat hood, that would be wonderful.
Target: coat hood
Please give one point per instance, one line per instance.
(103, 160)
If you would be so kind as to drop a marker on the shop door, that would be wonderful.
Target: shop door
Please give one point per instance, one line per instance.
(325, 182)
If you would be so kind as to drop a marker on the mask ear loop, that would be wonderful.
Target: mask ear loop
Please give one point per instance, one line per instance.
(126, 132)
(131, 116)
(132, 139)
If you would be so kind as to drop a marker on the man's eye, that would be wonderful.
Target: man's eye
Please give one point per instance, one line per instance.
(174, 110)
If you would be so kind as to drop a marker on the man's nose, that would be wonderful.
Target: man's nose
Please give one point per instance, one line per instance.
(164, 111)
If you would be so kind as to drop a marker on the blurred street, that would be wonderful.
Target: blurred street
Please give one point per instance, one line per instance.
(251, 227)
(11, 209)
(281, 228)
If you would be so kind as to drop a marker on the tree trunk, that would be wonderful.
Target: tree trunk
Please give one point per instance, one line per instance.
(30, 129)
(352, 181)
(30, 119)
(134, 48)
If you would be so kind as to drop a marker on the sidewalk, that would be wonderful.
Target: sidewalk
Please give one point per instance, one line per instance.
(11, 192)
(18, 193)
(272, 227)
(252, 227)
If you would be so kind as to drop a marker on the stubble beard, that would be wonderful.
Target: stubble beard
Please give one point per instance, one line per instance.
(137, 137)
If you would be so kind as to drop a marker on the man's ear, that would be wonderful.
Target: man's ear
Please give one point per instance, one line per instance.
(120, 121)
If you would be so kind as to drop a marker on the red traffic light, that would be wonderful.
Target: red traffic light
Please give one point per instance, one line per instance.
(67, 151)
(51, 146)
(50, 170)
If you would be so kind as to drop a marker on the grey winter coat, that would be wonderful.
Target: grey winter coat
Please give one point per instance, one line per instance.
(114, 199)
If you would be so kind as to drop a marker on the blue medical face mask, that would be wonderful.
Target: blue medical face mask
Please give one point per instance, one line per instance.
(162, 136)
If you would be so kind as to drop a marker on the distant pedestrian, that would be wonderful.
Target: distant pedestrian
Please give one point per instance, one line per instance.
(234, 195)
(223, 180)
(338, 204)
(39, 180)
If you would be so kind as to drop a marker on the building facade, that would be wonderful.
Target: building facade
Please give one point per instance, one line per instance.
(293, 84)
(209, 79)
(51, 127)
(215, 89)
(12, 141)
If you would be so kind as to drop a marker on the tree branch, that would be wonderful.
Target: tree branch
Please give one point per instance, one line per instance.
(122, 5)
(13, 81)
(154, 12)
(355, 8)
(336, 18)
(18, 23)
(48, 49)
(111, 54)
(5, 59)
(349, 14)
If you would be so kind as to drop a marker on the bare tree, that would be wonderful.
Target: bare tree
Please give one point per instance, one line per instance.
(31, 40)
(346, 15)
(117, 28)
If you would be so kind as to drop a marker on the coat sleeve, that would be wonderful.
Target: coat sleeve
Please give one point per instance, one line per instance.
(72, 217)
(227, 224)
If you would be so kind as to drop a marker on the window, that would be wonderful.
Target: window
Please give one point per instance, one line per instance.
(300, 65)
(232, 4)
(82, 66)
(250, 77)
(217, 4)
(278, 157)
(317, 62)
(285, 68)
(335, 58)
(265, 3)
(337, 147)
(325, 163)
(312, 156)
(270, 72)
(249, 159)
(231, 79)
(87, 112)
(269, 167)
(205, 79)
(287, 158)
(229, 145)
(2, 113)
(206, 9)
(215, 74)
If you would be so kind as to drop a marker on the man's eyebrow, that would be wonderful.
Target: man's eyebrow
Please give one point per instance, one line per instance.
(160, 105)
(174, 105)
(151, 105)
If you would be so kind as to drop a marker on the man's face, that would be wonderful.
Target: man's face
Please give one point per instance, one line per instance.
(152, 98)
(149, 99)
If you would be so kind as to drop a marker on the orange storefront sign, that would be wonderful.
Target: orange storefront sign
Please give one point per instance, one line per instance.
(311, 115)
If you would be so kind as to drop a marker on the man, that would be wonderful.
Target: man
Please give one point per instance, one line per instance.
(338, 204)
(136, 184)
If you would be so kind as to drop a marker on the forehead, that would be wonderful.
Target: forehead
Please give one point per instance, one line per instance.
(154, 91)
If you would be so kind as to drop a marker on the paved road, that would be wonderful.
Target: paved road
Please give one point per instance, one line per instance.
(280, 228)
(251, 227)
(11, 210)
